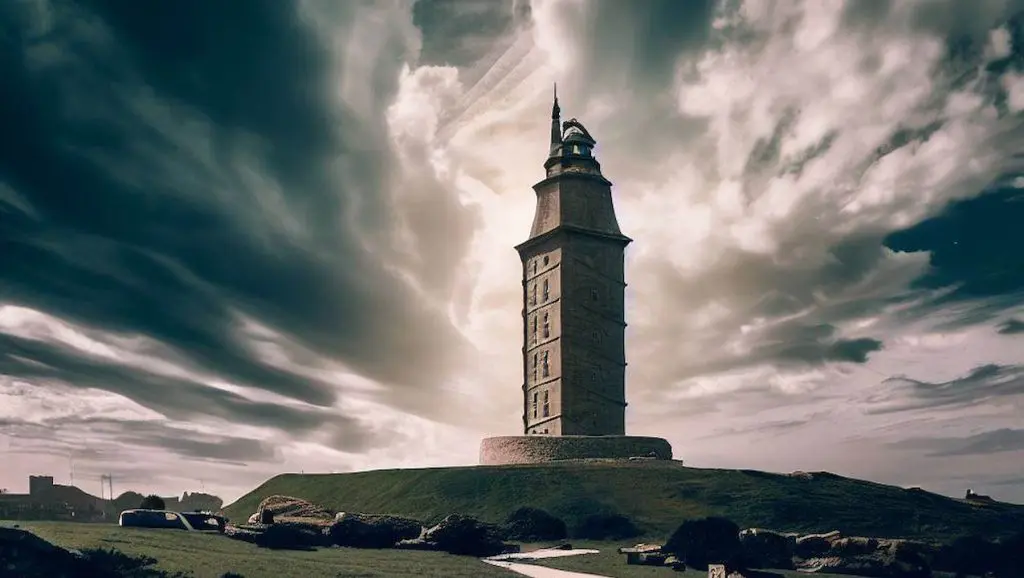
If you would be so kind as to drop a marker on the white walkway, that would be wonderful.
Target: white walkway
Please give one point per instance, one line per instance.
(505, 561)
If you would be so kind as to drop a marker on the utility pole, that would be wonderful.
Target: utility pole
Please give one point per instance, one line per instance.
(107, 483)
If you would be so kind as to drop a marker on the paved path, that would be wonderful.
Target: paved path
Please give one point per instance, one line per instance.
(506, 561)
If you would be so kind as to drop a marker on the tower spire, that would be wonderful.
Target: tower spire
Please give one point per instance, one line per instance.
(556, 131)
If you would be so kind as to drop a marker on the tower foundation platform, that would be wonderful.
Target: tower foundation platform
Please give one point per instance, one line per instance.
(539, 449)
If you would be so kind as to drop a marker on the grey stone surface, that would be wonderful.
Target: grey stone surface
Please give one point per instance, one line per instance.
(542, 449)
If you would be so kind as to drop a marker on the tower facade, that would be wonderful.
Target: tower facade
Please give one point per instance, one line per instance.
(574, 358)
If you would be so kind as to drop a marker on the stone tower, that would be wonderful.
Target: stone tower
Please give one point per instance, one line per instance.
(574, 358)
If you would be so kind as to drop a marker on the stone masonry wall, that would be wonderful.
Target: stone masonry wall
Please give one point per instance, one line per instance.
(541, 449)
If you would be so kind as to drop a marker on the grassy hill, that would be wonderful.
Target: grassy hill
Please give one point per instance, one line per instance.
(657, 496)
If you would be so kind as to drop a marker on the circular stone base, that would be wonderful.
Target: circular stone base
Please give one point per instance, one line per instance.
(539, 449)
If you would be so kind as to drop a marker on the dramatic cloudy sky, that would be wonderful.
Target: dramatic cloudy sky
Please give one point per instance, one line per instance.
(244, 238)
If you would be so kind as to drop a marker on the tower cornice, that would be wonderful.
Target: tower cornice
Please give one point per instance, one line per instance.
(571, 229)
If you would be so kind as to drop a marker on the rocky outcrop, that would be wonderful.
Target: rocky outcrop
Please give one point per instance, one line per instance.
(370, 530)
(762, 548)
(464, 535)
(291, 507)
(286, 536)
(835, 554)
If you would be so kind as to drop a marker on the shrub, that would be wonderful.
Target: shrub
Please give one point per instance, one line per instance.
(706, 541)
(533, 525)
(605, 527)
(152, 502)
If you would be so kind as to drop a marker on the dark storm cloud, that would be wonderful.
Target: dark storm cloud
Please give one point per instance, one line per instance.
(174, 397)
(984, 383)
(986, 443)
(165, 166)
(973, 248)
(1011, 327)
(64, 436)
(644, 39)
(461, 32)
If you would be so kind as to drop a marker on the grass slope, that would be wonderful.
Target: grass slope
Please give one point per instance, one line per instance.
(210, 555)
(657, 496)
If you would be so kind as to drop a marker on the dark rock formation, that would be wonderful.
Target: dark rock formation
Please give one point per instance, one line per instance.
(767, 549)
(371, 531)
(464, 535)
(291, 507)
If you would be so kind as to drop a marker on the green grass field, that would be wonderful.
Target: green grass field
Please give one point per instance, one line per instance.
(657, 496)
(210, 555)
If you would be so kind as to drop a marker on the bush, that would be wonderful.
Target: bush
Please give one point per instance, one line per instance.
(152, 502)
(533, 525)
(706, 541)
(605, 527)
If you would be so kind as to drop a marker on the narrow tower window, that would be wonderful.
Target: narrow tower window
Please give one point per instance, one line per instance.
(545, 369)
(535, 367)
(533, 294)
(546, 260)
(535, 405)
(545, 294)
(547, 408)
(547, 326)
(534, 332)
(534, 266)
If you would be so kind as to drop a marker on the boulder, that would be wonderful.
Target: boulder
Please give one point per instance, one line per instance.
(254, 519)
(415, 544)
(464, 535)
(675, 564)
(648, 559)
(869, 557)
(815, 545)
(292, 507)
(289, 537)
(706, 541)
(762, 548)
(284, 536)
(371, 531)
(533, 525)
(245, 533)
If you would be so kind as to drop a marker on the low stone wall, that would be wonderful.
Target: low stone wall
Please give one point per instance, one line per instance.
(542, 449)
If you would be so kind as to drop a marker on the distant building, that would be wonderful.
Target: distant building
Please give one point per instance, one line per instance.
(39, 485)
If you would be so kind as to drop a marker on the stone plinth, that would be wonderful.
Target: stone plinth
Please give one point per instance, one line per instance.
(540, 449)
